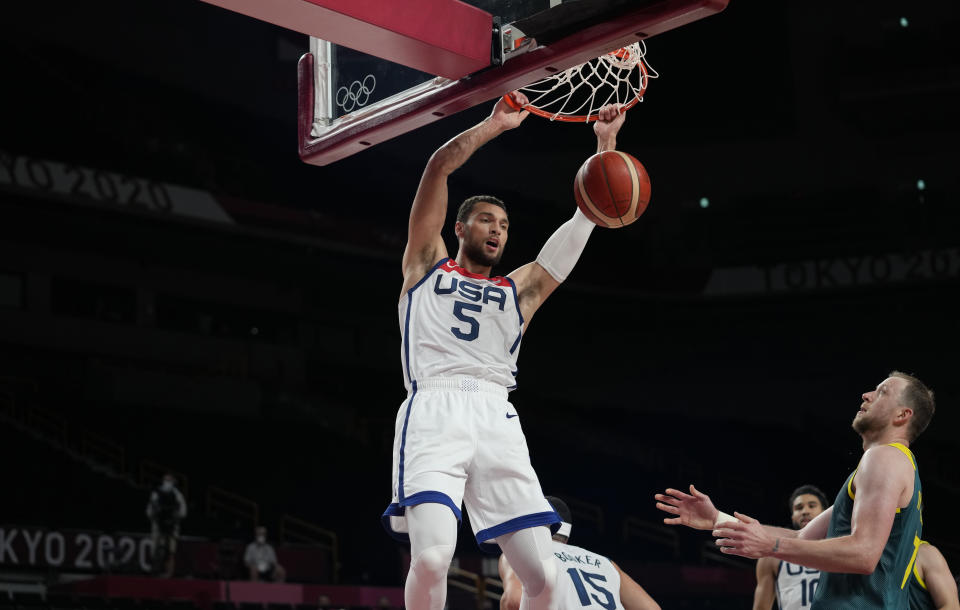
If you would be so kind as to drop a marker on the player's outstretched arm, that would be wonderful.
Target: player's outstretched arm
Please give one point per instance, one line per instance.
(696, 510)
(425, 244)
(632, 595)
(537, 280)
(512, 587)
(884, 476)
(765, 592)
(933, 570)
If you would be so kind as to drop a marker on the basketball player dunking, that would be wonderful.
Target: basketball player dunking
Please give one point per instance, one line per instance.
(458, 438)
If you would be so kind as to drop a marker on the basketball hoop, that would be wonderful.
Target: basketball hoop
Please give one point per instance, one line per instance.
(576, 94)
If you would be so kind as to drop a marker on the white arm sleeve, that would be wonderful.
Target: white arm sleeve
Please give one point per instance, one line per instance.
(562, 250)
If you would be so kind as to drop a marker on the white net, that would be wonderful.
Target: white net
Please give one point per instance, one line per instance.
(576, 94)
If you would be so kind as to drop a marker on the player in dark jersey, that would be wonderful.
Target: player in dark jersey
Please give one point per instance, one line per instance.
(865, 544)
(932, 586)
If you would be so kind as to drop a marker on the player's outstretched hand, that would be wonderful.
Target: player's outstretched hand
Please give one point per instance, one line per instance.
(694, 509)
(507, 115)
(746, 537)
(609, 120)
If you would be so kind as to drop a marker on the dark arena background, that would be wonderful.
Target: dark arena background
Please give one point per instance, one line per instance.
(180, 294)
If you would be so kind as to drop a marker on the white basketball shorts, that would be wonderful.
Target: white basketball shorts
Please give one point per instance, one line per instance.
(459, 440)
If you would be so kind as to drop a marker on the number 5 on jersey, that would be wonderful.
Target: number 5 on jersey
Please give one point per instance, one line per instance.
(459, 309)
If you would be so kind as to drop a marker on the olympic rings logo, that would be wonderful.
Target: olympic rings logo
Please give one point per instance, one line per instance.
(357, 94)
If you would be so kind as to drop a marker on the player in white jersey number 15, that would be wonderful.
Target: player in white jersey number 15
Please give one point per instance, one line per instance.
(458, 440)
(584, 579)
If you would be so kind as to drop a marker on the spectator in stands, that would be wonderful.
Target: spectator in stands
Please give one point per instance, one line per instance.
(261, 559)
(165, 509)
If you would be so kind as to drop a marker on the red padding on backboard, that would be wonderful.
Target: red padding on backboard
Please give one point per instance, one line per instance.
(368, 129)
(442, 37)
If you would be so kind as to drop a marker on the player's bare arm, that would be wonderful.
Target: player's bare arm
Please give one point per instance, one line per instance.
(933, 570)
(765, 593)
(512, 587)
(632, 595)
(425, 245)
(883, 483)
(537, 280)
(696, 510)
(818, 527)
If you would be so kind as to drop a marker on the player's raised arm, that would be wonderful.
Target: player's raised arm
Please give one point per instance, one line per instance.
(425, 244)
(610, 121)
(537, 280)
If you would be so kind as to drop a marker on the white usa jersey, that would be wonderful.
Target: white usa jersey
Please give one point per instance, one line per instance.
(454, 322)
(796, 586)
(585, 579)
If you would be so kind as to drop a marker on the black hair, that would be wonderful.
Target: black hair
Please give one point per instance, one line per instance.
(562, 509)
(467, 206)
(813, 491)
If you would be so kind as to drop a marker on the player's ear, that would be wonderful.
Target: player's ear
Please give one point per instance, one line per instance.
(459, 228)
(903, 416)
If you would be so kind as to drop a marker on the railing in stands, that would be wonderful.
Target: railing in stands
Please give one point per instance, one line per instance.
(244, 510)
(10, 387)
(297, 530)
(657, 535)
(103, 450)
(151, 473)
(8, 404)
(47, 424)
(476, 585)
(585, 511)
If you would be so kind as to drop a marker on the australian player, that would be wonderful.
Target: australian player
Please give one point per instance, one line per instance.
(865, 544)
(932, 585)
(792, 585)
(458, 439)
(585, 578)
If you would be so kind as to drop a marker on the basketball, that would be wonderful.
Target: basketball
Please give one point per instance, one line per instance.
(612, 189)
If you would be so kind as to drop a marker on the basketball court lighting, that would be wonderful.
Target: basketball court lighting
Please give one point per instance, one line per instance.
(704, 203)
(921, 184)
(903, 22)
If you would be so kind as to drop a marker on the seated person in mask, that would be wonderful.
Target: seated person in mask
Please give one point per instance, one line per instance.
(261, 559)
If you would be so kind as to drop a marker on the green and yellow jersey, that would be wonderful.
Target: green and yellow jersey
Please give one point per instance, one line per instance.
(920, 598)
(886, 587)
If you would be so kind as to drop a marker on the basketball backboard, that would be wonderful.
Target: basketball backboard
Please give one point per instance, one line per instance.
(376, 70)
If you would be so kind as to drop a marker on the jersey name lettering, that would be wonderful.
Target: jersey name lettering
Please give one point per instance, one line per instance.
(578, 559)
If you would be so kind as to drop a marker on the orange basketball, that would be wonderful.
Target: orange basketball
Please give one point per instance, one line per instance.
(612, 189)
